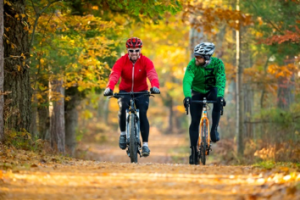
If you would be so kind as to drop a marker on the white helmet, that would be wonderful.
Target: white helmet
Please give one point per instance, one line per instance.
(204, 49)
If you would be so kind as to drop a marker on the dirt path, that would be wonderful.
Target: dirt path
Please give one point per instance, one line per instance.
(26, 175)
(100, 180)
(171, 148)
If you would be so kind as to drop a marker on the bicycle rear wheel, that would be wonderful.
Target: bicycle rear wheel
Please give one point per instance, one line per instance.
(133, 148)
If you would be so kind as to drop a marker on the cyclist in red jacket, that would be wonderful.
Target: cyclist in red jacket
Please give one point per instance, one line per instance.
(133, 68)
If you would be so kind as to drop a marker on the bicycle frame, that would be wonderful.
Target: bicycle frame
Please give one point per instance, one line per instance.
(204, 121)
(132, 125)
(203, 145)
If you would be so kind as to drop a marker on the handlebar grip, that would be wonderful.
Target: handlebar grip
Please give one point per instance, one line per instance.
(107, 95)
(152, 92)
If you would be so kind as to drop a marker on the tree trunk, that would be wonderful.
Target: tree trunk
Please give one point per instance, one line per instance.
(286, 89)
(262, 97)
(196, 36)
(248, 96)
(220, 38)
(248, 104)
(16, 74)
(71, 116)
(71, 127)
(239, 95)
(43, 109)
(284, 93)
(57, 116)
(170, 129)
(34, 112)
(1, 72)
(44, 122)
(106, 111)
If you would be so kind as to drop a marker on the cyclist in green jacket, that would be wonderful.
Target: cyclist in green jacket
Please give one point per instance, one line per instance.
(204, 77)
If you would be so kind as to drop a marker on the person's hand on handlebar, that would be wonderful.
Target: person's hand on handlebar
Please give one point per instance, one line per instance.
(108, 92)
(186, 103)
(221, 101)
(154, 90)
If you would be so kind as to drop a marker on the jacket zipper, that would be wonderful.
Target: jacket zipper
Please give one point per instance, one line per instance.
(132, 77)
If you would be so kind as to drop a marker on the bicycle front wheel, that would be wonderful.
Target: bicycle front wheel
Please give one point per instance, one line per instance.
(203, 143)
(133, 148)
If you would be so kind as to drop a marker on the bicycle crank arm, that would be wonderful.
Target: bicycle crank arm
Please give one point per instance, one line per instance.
(209, 149)
(140, 153)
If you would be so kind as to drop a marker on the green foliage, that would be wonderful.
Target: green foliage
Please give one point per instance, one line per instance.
(265, 164)
(273, 18)
(79, 134)
(271, 165)
(282, 119)
(19, 139)
(71, 39)
(133, 8)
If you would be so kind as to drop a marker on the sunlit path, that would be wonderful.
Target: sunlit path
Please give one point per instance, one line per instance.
(165, 148)
(160, 176)
(98, 180)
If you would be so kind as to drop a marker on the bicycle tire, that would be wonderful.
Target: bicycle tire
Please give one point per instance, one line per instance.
(203, 143)
(132, 142)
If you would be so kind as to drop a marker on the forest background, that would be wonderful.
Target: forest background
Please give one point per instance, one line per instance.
(58, 55)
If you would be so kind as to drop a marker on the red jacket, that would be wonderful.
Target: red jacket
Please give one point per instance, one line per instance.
(140, 70)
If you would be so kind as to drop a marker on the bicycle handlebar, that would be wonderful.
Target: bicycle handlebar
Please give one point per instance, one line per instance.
(198, 101)
(130, 93)
(119, 95)
(202, 101)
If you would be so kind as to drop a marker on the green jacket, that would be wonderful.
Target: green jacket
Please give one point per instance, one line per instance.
(201, 79)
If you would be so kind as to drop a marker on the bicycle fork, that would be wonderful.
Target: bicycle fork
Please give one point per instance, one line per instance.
(204, 132)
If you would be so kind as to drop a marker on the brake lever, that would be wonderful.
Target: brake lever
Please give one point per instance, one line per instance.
(187, 109)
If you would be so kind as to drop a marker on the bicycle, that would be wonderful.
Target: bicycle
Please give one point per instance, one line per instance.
(204, 145)
(133, 125)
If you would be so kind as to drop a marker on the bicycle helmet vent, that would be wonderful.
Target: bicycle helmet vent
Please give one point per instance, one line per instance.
(134, 42)
(204, 49)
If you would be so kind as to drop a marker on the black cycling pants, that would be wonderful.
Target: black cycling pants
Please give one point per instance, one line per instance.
(196, 112)
(142, 103)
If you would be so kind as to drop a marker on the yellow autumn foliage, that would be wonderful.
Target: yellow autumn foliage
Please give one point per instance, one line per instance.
(77, 56)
